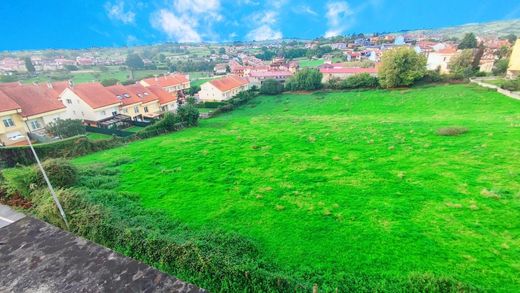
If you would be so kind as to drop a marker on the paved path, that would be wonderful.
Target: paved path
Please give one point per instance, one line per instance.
(8, 216)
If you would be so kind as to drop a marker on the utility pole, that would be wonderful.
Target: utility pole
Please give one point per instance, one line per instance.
(54, 197)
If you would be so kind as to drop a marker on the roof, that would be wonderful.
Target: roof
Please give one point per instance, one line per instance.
(7, 104)
(229, 82)
(340, 68)
(95, 95)
(164, 96)
(168, 80)
(38, 257)
(143, 93)
(34, 99)
(124, 95)
(447, 50)
(270, 73)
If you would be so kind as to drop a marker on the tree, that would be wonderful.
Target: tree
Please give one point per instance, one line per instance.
(188, 113)
(401, 67)
(461, 65)
(307, 79)
(468, 42)
(222, 51)
(134, 62)
(501, 67)
(29, 65)
(271, 87)
(109, 81)
(66, 128)
(511, 38)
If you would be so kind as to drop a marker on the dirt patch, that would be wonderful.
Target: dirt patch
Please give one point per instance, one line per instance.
(14, 201)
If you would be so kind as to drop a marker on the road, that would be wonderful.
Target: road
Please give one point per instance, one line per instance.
(8, 216)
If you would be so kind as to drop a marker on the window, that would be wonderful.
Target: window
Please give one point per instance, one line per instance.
(114, 113)
(146, 109)
(69, 101)
(35, 125)
(8, 122)
(136, 109)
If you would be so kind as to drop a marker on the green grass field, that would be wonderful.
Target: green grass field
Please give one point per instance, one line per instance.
(348, 182)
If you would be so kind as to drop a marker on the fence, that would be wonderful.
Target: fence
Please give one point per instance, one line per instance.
(107, 131)
(142, 124)
(481, 82)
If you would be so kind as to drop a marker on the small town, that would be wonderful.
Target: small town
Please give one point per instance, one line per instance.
(249, 146)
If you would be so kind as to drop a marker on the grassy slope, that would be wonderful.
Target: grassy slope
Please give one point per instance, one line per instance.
(353, 182)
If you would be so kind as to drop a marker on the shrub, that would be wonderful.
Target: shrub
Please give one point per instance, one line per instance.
(61, 173)
(188, 114)
(501, 66)
(511, 85)
(401, 67)
(451, 131)
(211, 105)
(271, 87)
(307, 80)
(109, 81)
(363, 80)
(66, 128)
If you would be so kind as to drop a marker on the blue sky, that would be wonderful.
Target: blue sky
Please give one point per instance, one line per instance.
(37, 24)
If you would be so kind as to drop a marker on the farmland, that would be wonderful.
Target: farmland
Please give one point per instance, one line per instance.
(347, 183)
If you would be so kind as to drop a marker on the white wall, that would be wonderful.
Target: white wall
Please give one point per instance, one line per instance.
(78, 109)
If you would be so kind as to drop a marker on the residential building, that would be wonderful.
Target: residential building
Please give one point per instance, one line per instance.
(90, 102)
(39, 106)
(170, 83)
(224, 88)
(130, 103)
(220, 69)
(167, 101)
(341, 71)
(150, 106)
(439, 60)
(12, 127)
(513, 70)
(257, 78)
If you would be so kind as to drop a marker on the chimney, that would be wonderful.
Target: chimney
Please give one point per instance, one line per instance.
(49, 85)
(71, 83)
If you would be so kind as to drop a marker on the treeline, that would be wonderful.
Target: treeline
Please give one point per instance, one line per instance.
(292, 53)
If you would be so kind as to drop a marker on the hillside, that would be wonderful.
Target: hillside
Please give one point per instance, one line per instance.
(346, 190)
(490, 29)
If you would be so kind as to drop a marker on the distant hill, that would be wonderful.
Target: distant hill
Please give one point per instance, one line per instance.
(495, 28)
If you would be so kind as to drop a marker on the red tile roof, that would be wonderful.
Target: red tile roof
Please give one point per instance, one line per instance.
(339, 68)
(270, 73)
(164, 96)
(229, 82)
(7, 104)
(144, 94)
(447, 50)
(167, 80)
(34, 99)
(95, 95)
(124, 95)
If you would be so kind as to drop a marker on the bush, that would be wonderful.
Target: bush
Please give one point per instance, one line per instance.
(66, 128)
(61, 173)
(451, 131)
(433, 76)
(210, 105)
(401, 67)
(363, 80)
(501, 66)
(305, 80)
(109, 81)
(271, 87)
(511, 85)
(188, 114)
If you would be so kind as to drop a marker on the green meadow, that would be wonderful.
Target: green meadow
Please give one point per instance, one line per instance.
(347, 183)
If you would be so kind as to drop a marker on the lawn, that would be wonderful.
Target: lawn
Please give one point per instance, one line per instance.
(97, 136)
(348, 183)
(133, 129)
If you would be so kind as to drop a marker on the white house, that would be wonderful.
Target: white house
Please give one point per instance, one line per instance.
(224, 88)
(441, 59)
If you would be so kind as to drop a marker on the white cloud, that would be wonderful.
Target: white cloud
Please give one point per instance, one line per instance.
(200, 8)
(339, 17)
(176, 27)
(117, 12)
(265, 17)
(263, 33)
(305, 9)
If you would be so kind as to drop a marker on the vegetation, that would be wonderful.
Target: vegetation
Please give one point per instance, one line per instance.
(363, 80)
(65, 128)
(28, 65)
(271, 87)
(468, 42)
(349, 191)
(307, 80)
(401, 67)
(461, 65)
(501, 66)
(511, 85)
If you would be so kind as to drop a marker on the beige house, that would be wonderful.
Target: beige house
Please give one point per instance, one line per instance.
(12, 126)
(150, 106)
(223, 89)
(513, 71)
(440, 60)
